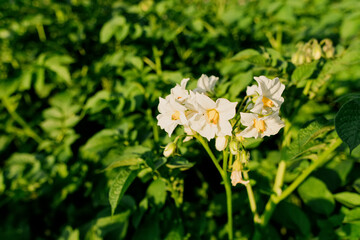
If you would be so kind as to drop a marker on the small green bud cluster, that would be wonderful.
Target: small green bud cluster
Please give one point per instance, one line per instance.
(313, 50)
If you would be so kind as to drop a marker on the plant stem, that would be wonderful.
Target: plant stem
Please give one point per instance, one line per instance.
(210, 153)
(323, 158)
(224, 176)
(228, 193)
(251, 197)
(229, 205)
(277, 197)
(270, 206)
(27, 129)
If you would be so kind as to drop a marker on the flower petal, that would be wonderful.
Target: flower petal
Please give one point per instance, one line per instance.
(205, 102)
(247, 119)
(226, 108)
(249, 132)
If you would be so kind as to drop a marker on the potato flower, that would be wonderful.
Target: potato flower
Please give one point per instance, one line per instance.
(206, 84)
(267, 95)
(171, 114)
(179, 91)
(212, 118)
(260, 126)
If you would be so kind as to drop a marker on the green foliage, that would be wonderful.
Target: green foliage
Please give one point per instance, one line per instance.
(119, 186)
(315, 194)
(347, 123)
(81, 152)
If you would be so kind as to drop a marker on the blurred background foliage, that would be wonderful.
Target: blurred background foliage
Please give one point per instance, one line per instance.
(79, 88)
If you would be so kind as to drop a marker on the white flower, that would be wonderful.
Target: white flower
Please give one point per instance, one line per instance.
(179, 91)
(206, 84)
(171, 114)
(260, 126)
(267, 95)
(221, 143)
(212, 119)
(236, 178)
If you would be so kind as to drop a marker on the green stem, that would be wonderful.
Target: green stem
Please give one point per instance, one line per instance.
(252, 200)
(270, 206)
(210, 153)
(276, 198)
(157, 56)
(323, 158)
(27, 129)
(224, 176)
(228, 193)
(154, 125)
(229, 205)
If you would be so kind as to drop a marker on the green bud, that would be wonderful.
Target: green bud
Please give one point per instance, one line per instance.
(169, 149)
(234, 147)
(316, 50)
(244, 156)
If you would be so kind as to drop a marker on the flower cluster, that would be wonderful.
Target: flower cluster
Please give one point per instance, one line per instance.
(313, 50)
(196, 111)
(200, 114)
(264, 105)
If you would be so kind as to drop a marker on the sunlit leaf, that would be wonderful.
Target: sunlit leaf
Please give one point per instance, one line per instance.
(121, 183)
(349, 199)
(316, 195)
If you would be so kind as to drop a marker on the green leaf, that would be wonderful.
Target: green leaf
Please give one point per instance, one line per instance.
(348, 199)
(179, 162)
(239, 82)
(100, 142)
(121, 183)
(156, 192)
(302, 73)
(356, 185)
(352, 215)
(62, 72)
(250, 143)
(291, 216)
(305, 138)
(315, 194)
(101, 224)
(245, 54)
(175, 234)
(347, 123)
(110, 28)
(130, 156)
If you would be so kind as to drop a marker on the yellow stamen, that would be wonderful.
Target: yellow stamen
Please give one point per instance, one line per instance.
(267, 102)
(175, 116)
(259, 125)
(213, 116)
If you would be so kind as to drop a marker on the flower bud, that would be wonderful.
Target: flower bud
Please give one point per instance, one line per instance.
(244, 156)
(328, 48)
(233, 147)
(236, 176)
(316, 50)
(221, 143)
(295, 58)
(169, 149)
(240, 138)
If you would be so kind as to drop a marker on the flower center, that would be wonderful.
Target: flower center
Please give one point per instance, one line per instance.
(267, 102)
(259, 125)
(213, 116)
(175, 116)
